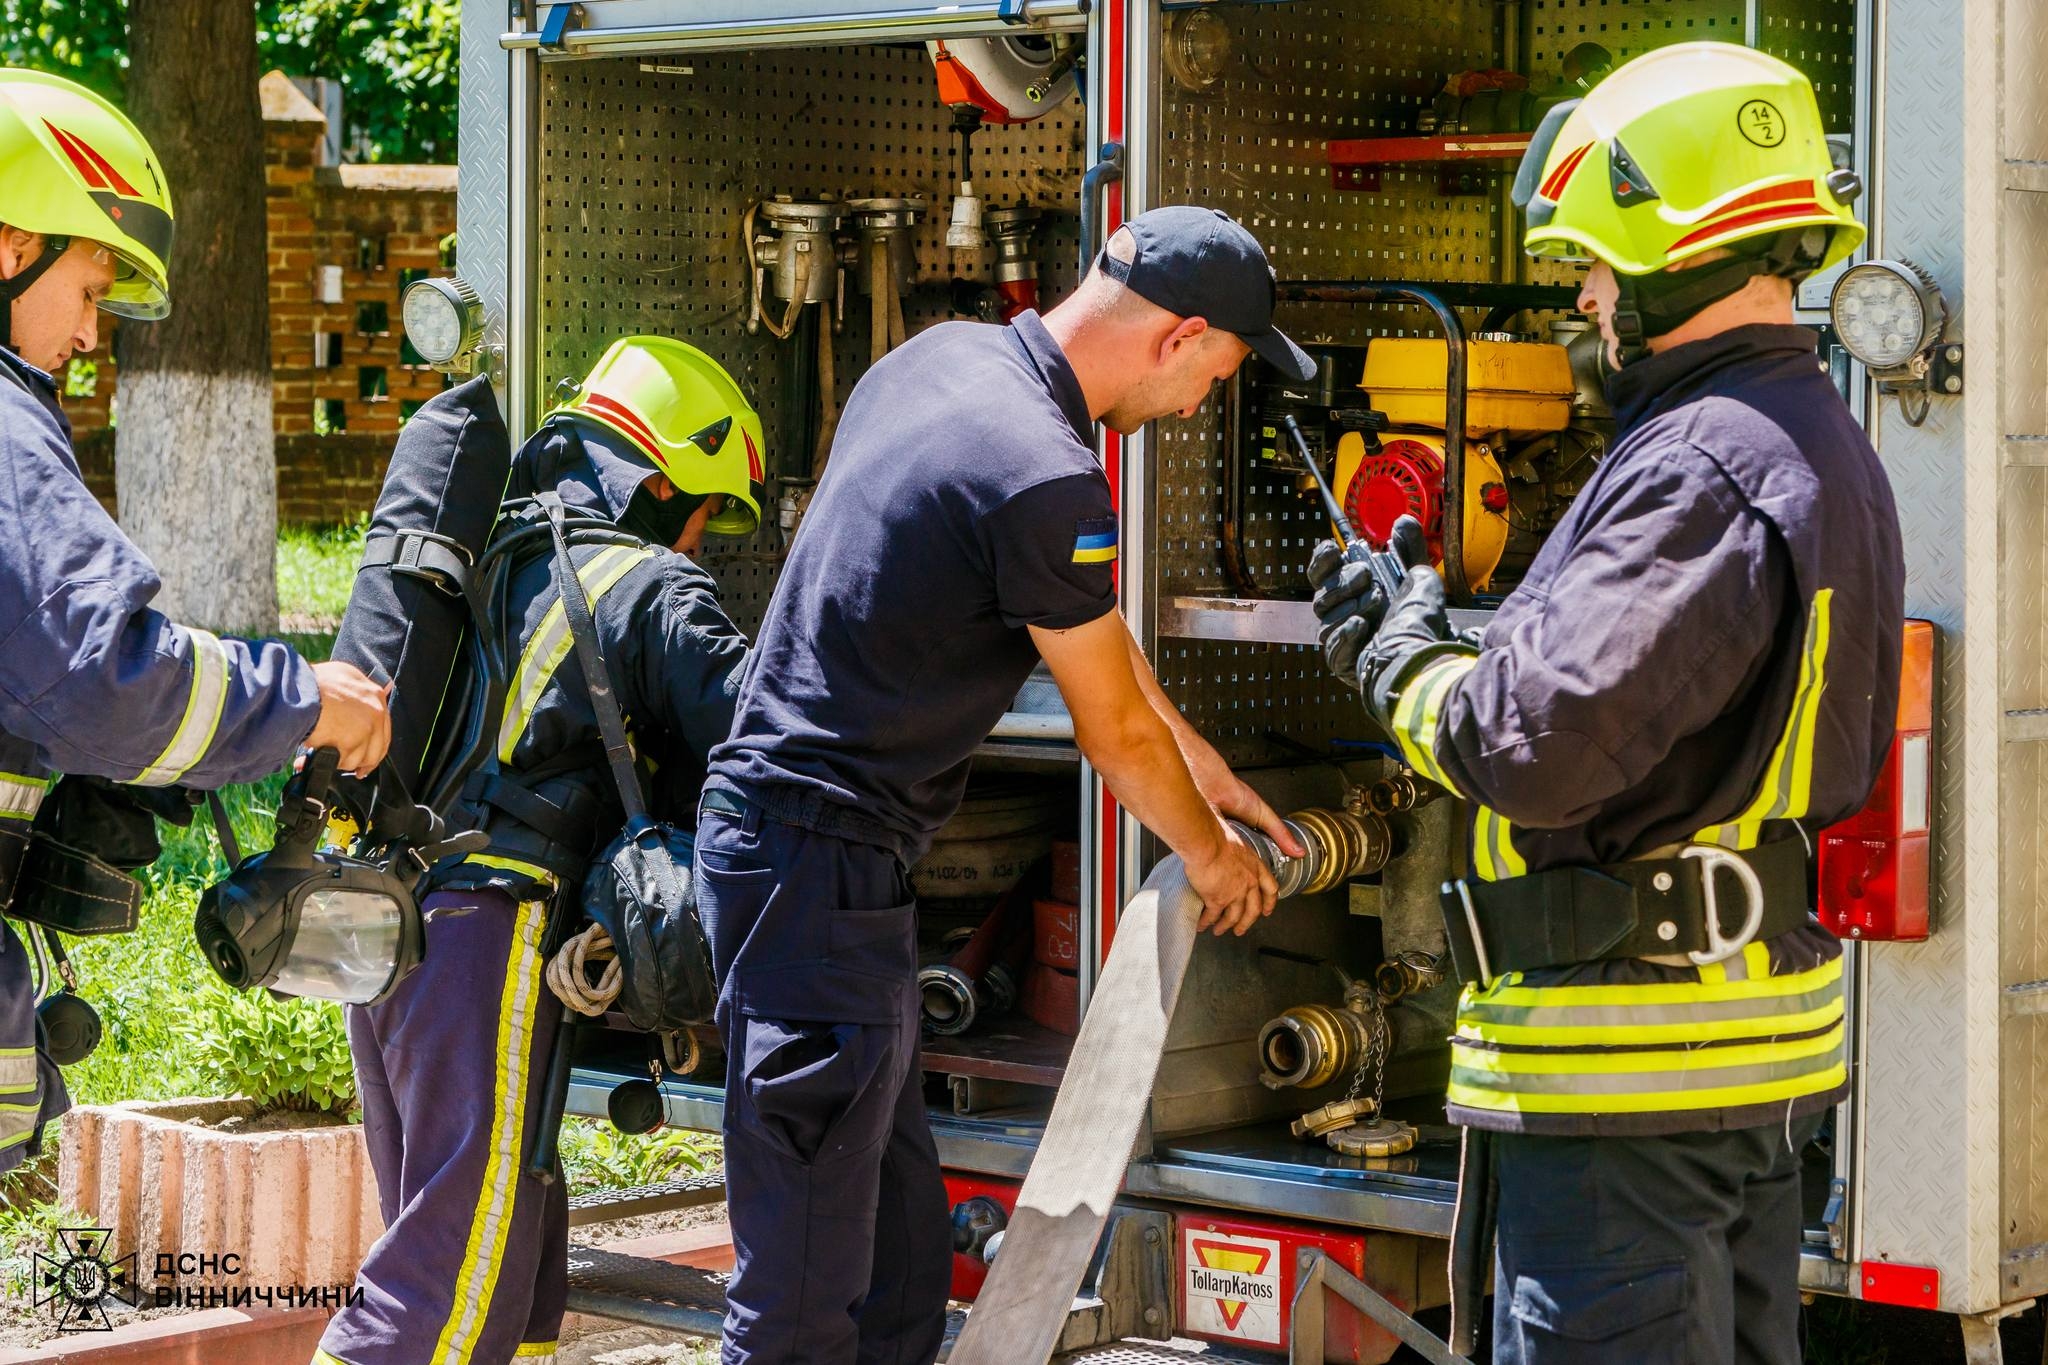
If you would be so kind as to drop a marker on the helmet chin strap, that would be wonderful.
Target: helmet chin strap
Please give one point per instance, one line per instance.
(1653, 305)
(23, 279)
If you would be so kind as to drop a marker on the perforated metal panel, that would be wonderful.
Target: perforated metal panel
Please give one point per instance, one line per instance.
(1252, 145)
(1626, 28)
(648, 166)
(1818, 37)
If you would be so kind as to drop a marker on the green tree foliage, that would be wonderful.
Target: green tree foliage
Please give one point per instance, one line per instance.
(396, 59)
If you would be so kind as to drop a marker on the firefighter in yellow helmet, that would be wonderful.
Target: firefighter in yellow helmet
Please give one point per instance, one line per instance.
(1699, 672)
(658, 442)
(93, 682)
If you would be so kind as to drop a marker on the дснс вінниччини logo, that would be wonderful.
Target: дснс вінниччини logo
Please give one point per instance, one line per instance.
(76, 1282)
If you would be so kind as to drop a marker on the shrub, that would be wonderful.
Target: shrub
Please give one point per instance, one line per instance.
(597, 1156)
(283, 1054)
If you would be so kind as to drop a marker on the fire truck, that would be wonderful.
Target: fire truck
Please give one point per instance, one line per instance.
(796, 185)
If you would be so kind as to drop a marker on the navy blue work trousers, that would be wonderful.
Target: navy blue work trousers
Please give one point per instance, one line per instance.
(839, 1216)
(472, 1268)
(1680, 1250)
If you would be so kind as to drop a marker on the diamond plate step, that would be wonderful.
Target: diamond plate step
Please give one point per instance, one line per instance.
(605, 1206)
(651, 1293)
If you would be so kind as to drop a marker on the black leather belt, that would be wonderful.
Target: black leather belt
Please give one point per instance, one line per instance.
(1707, 903)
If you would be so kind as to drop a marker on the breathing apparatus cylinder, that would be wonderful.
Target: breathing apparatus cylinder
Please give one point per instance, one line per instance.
(407, 616)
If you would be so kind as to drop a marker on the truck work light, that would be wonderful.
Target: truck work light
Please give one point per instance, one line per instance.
(444, 320)
(1888, 313)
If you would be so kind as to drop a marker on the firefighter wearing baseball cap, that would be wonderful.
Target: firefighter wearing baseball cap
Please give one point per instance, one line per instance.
(1699, 672)
(963, 530)
(473, 1265)
(93, 682)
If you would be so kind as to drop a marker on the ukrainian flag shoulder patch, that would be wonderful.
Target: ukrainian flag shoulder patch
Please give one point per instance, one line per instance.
(1095, 540)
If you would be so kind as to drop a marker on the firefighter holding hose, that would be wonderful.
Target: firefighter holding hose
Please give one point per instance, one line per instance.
(1700, 671)
(93, 682)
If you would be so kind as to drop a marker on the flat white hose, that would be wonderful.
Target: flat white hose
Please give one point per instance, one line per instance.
(1080, 1162)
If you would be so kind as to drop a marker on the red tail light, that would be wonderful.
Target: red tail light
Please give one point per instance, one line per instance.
(1873, 866)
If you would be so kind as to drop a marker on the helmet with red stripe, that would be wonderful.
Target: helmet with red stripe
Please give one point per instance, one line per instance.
(678, 408)
(73, 167)
(1685, 150)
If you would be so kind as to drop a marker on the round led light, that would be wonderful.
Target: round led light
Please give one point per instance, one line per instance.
(444, 320)
(1886, 313)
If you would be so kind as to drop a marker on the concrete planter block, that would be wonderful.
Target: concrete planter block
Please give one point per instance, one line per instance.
(298, 1206)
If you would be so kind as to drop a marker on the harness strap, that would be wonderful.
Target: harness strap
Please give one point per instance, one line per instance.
(1649, 908)
(611, 722)
(12, 289)
(421, 554)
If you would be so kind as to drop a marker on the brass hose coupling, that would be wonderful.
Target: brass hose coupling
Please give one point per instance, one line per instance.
(1311, 1045)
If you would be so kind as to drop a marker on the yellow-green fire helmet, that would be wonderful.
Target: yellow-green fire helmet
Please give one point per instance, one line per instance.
(1684, 149)
(73, 166)
(682, 411)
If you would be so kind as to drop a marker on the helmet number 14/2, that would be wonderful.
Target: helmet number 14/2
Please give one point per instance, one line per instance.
(1761, 123)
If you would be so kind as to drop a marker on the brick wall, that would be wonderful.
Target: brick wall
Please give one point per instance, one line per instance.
(342, 239)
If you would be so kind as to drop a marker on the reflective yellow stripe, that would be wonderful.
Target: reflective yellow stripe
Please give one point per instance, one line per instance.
(1616, 1066)
(203, 705)
(552, 642)
(18, 1122)
(524, 869)
(484, 1252)
(18, 1068)
(1786, 791)
(1643, 1048)
(1493, 847)
(21, 797)
(322, 1358)
(1816, 1082)
(1621, 1025)
(535, 1350)
(1420, 709)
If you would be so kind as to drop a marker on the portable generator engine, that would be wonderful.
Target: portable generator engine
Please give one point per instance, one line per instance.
(1403, 475)
(1272, 397)
(1516, 392)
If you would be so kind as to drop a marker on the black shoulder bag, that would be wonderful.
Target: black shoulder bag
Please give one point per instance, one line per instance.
(639, 888)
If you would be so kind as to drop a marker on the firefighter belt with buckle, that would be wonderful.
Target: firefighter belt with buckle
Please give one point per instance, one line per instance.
(1650, 908)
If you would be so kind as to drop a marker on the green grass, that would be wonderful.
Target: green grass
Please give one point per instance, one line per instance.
(316, 565)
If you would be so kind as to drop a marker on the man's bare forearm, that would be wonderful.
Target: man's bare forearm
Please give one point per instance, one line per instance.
(1141, 760)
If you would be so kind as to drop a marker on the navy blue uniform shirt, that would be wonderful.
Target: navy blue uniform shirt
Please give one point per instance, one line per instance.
(963, 503)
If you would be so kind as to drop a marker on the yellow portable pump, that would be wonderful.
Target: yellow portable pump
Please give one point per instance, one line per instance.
(1516, 390)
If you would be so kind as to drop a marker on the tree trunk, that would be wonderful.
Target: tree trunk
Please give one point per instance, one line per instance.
(195, 454)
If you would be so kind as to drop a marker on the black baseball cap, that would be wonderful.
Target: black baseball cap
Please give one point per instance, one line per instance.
(1202, 263)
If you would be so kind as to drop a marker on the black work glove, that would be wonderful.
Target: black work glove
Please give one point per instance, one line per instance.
(1416, 624)
(1349, 603)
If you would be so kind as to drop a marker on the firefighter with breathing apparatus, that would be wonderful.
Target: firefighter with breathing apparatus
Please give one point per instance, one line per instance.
(1700, 670)
(657, 448)
(93, 682)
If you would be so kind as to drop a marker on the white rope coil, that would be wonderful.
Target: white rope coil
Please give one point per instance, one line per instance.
(570, 981)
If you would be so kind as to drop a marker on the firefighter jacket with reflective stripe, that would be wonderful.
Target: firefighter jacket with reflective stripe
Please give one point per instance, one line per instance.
(94, 681)
(91, 679)
(1706, 649)
(675, 659)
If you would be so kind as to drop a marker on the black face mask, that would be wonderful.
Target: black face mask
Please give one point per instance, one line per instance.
(658, 522)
